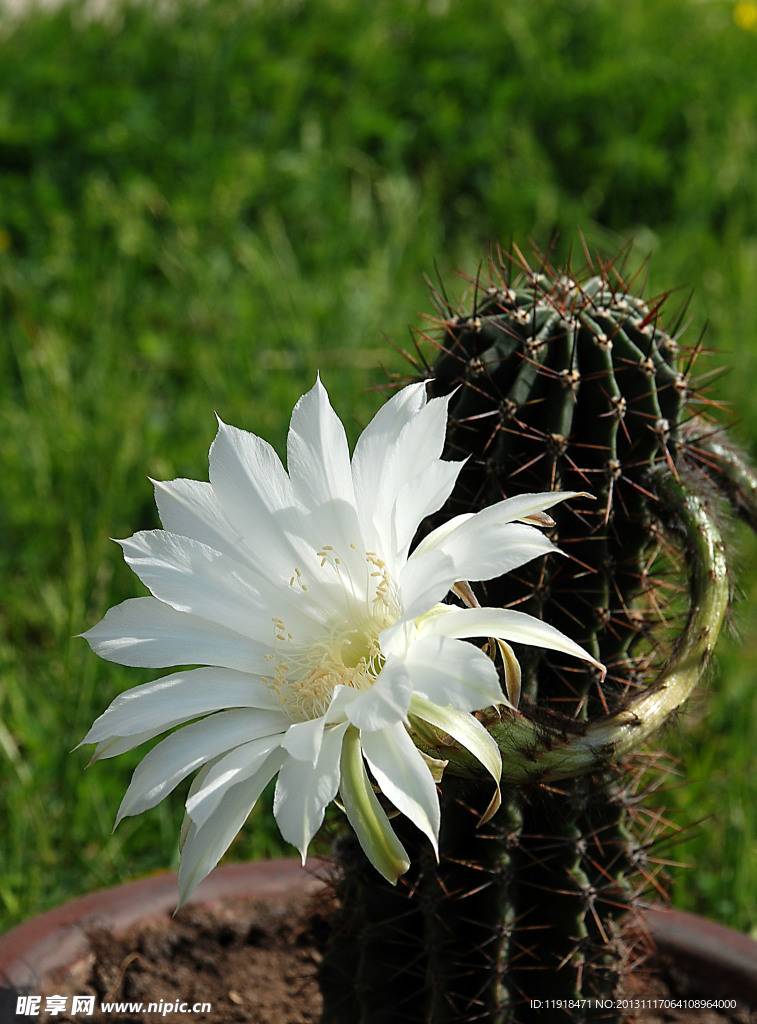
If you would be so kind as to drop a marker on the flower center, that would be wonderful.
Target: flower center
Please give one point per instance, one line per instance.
(305, 676)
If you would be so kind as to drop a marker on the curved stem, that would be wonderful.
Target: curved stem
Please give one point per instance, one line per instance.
(534, 752)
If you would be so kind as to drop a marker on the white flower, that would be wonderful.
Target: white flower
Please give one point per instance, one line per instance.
(321, 637)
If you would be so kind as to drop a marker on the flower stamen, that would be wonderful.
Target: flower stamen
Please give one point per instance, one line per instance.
(348, 654)
(305, 682)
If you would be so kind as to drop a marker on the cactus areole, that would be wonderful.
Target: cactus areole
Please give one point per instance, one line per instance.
(573, 382)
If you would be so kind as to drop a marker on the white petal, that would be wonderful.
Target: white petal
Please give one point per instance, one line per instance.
(249, 466)
(304, 791)
(524, 506)
(419, 443)
(468, 731)
(184, 751)
(519, 507)
(399, 477)
(366, 815)
(483, 548)
(506, 625)
(226, 771)
(422, 439)
(395, 640)
(404, 777)
(115, 745)
(375, 467)
(386, 702)
(465, 728)
(194, 578)
(190, 508)
(341, 579)
(147, 633)
(318, 456)
(204, 846)
(422, 495)
(254, 491)
(318, 459)
(425, 581)
(177, 698)
(194, 787)
(341, 698)
(304, 739)
(380, 467)
(448, 671)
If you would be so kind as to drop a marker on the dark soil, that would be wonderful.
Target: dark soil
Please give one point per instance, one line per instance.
(257, 963)
(254, 962)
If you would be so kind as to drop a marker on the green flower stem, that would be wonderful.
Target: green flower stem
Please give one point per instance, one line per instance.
(534, 752)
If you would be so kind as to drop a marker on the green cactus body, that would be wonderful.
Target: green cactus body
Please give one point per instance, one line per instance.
(569, 385)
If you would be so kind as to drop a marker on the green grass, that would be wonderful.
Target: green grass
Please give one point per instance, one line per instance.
(199, 209)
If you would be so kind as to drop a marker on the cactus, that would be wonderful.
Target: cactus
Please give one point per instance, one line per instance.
(561, 381)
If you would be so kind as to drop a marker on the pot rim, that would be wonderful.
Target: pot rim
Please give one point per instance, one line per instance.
(57, 938)
(722, 957)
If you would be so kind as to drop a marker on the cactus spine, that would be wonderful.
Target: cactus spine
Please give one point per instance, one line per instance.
(571, 383)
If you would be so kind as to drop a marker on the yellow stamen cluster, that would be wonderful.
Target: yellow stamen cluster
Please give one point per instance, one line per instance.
(304, 677)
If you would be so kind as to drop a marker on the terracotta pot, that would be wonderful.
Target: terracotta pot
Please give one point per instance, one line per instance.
(58, 938)
(722, 958)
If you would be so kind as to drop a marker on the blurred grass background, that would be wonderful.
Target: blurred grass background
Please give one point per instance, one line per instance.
(201, 203)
